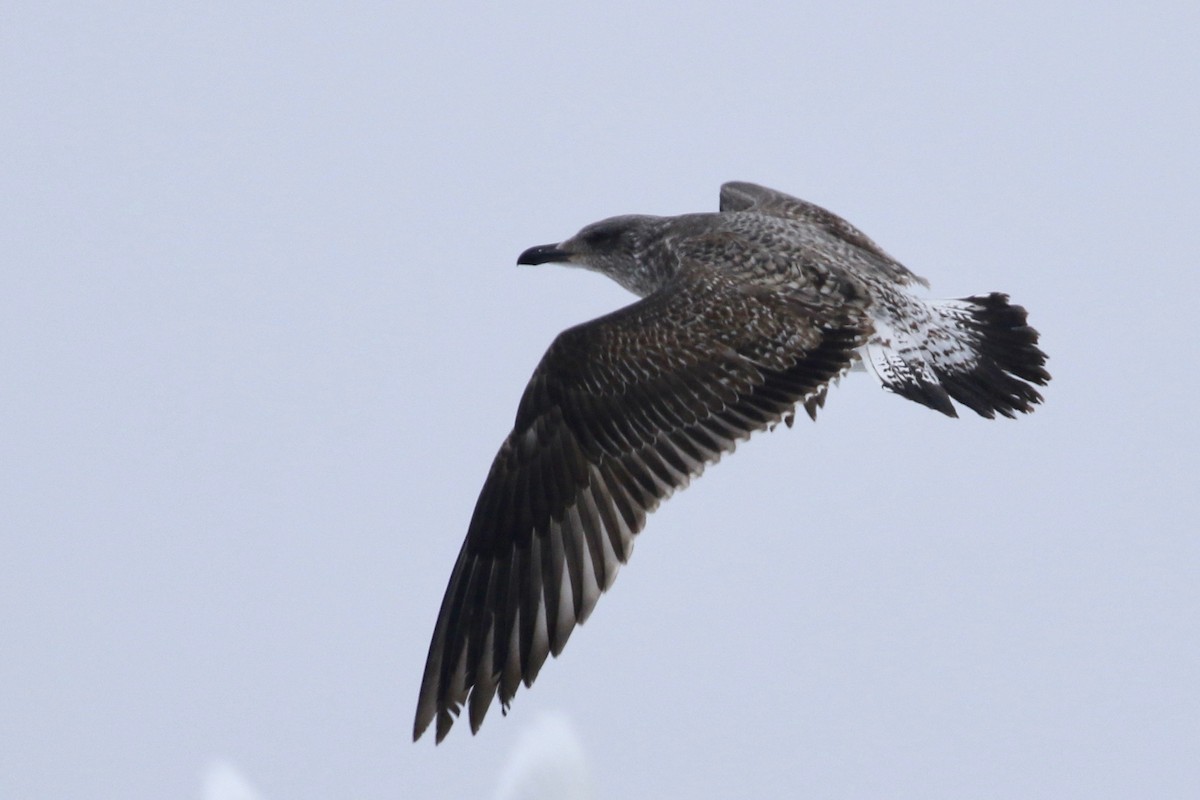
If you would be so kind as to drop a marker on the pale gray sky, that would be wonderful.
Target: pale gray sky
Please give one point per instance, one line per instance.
(261, 333)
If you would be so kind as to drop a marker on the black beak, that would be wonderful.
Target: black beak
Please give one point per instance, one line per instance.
(543, 254)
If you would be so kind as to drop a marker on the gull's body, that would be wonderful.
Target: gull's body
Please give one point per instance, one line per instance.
(745, 313)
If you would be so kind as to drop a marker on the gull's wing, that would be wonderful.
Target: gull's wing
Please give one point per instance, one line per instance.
(742, 196)
(620, 412)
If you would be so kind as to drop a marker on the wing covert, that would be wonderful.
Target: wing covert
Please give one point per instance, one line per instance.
(743, 196)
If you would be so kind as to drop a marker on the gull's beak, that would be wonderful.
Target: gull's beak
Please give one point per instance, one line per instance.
(544, 254)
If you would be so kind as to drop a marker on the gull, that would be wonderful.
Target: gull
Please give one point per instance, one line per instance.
(744, 315)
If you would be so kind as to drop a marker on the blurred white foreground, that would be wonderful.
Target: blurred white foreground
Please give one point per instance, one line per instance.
(547, 764)
(223, 782)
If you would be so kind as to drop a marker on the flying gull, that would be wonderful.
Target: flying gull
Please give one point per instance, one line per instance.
(743, 314)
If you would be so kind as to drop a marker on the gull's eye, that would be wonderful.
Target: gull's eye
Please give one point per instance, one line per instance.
(601, 238)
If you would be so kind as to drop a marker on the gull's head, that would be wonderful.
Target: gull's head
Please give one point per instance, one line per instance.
(616, 247)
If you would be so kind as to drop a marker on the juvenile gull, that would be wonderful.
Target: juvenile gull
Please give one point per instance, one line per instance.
(744, 314)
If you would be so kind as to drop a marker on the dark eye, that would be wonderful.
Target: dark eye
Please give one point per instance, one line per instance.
(601, 238)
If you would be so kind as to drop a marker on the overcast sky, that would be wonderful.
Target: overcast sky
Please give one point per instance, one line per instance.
(261, 333)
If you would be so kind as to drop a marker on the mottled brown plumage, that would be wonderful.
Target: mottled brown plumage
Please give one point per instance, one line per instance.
(744, 314)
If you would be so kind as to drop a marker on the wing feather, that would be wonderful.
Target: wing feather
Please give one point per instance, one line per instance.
(621, 412)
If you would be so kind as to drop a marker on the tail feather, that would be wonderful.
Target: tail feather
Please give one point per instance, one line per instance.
(978, 351)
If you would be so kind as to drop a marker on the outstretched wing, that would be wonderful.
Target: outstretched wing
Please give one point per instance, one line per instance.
(742, 196)
(621, 412)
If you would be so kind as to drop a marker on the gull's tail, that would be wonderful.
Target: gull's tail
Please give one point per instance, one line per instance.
(977, 350)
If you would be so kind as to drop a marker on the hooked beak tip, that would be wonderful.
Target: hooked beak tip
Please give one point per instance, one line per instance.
(543, 254)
